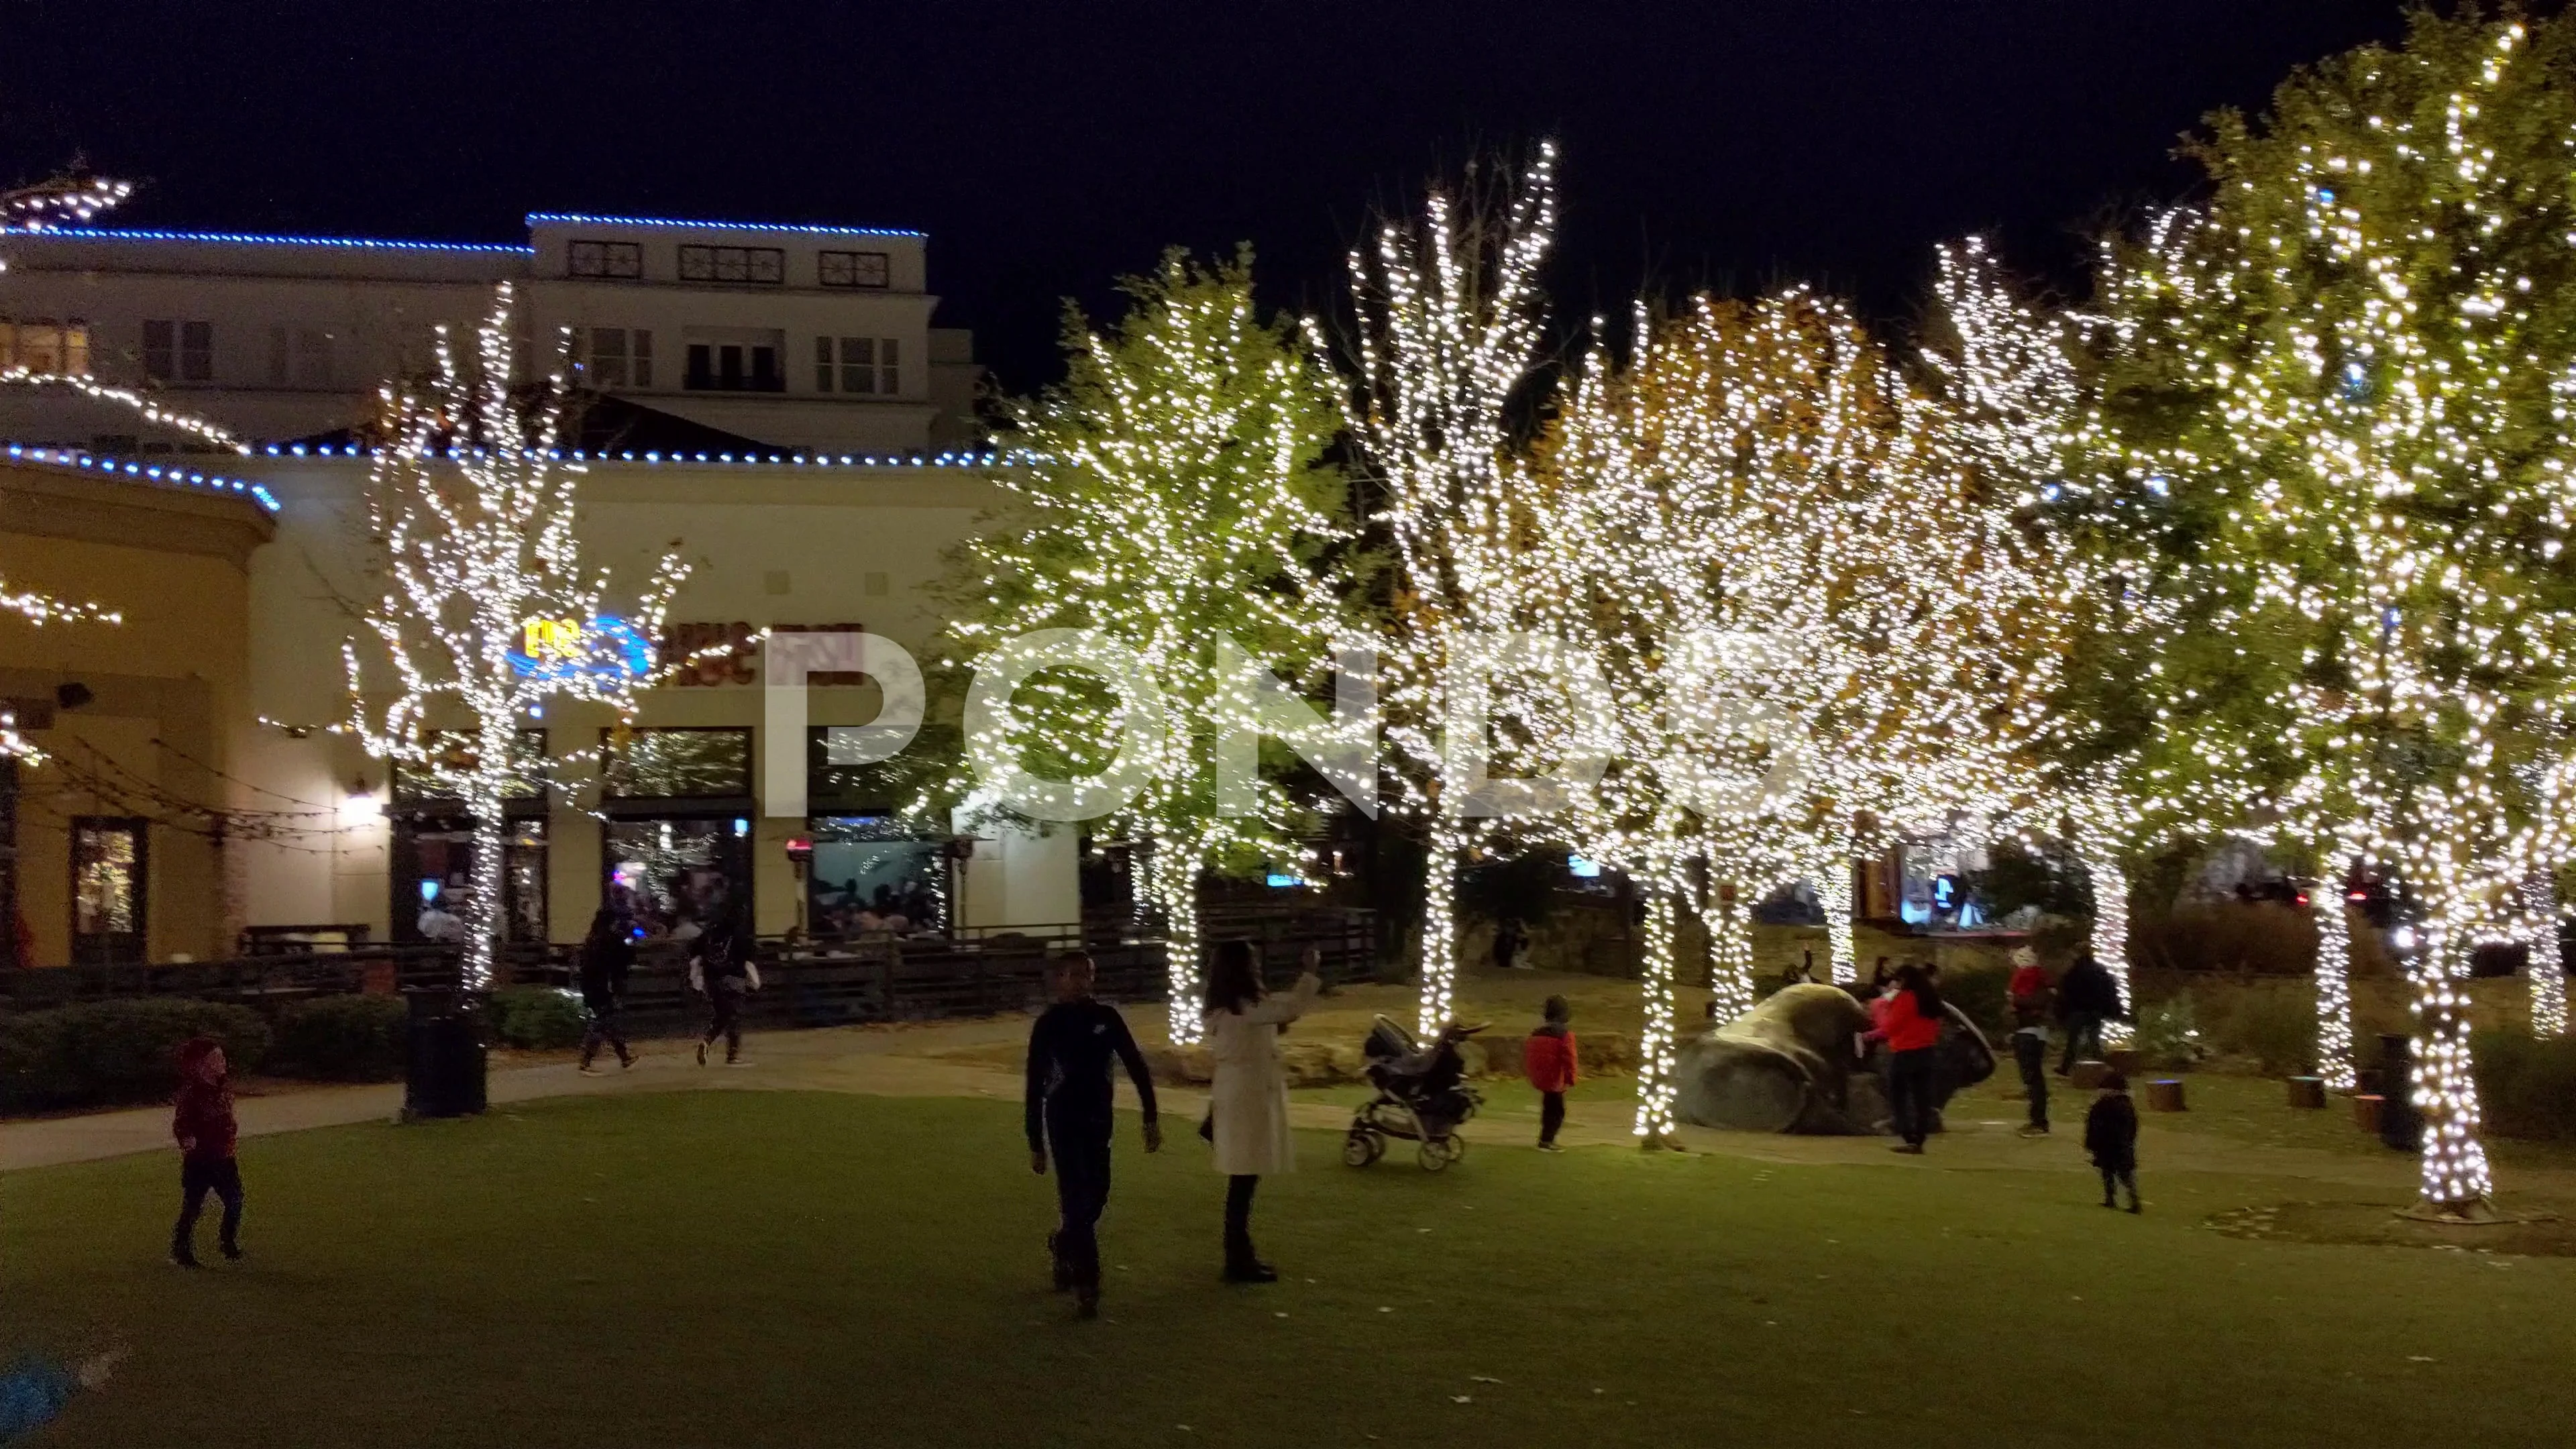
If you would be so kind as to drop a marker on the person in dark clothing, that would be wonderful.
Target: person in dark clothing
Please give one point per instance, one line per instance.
(2030, 1053)
(2111, 1136)
(1507, 944)
(1911, 1027)
(1069, 1112)
(201, 1118)
(720, 966)
(607, 954)
(1548, 1059)
(2087, 996)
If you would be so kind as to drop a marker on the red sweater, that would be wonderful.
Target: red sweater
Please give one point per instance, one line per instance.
(203, 1113)
(1904, 1027)
(1549, 1060)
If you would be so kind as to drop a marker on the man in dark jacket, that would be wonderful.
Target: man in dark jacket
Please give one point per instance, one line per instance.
(1069, 1109)
(202, 1120)
(720, 965)
(2111, 1136)
(2087, 996)
(607, 955)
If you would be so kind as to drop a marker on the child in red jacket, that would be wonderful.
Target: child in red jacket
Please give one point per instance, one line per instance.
(202, 1120)
(1549, 1062)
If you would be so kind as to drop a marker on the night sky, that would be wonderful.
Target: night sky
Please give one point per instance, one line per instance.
(1733, 143)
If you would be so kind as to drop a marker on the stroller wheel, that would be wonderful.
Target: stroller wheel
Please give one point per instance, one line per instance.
(1362, 1147)
(1436, 1154)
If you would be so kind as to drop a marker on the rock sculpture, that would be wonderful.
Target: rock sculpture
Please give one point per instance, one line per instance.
(1787, 1066)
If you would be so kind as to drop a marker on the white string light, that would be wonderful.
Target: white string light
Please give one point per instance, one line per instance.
(476, 548)
(1170, 493)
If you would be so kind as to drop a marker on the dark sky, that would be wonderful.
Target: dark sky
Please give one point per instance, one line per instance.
(1048, 148)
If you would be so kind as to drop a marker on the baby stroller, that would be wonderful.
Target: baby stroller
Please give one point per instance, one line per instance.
(1422, 1096)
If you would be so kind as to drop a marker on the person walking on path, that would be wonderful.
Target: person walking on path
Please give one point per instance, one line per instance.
(201, 1118)
(2087, 997)
(1911, 1027)
(34, 1390)
(1548, 1061)
(607, 954)
(2111, 1136)
(721, 968)
(1069, 1098)
(1248, 1097)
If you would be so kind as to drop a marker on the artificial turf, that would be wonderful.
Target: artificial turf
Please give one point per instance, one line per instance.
(758, 1268)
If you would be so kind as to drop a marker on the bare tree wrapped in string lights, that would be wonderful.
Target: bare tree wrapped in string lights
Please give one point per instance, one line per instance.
(487, 610)
(1449, 319)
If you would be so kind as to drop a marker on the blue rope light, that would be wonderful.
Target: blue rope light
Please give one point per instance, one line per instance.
(152, 472)
(261, 239)
(579, 455)
(536, 218)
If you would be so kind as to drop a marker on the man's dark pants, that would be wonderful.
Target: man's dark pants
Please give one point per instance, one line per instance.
(1080, 1149)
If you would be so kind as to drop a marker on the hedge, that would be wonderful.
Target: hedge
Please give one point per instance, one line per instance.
(341, 1039)
(2526, 1084)
(104, 1053)
(536, 1018)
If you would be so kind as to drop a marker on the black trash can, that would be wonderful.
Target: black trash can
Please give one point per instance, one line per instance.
(444, 1063)
(2401, 1125)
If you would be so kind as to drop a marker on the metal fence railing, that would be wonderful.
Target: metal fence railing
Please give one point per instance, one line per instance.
(807, 983)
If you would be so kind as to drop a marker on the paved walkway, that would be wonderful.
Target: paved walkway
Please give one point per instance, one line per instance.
(956, 1060)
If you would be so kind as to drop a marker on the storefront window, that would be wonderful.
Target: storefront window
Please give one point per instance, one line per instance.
(107, 890)
(454, 752)
(872, 873)
(674, 875)
(665, 764)
(434, 860)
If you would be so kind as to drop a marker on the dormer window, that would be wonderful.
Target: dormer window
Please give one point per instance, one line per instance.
(853, 269)
(622, 261)
(761, 265)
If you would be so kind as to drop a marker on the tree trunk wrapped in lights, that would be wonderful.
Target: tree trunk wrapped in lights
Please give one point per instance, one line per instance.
(1657, 1043)
(487, 610)
(2334, 918)
(1169, 497)
(2544, 963)
(1449, 320)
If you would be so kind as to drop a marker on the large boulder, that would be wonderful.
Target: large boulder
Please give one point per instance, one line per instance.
(1787, 1066)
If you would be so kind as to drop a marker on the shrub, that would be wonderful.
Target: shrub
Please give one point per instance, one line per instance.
(2278, 1029)
(2168, 1036)
(341, 1039)
(1984, 996)
(2526, 1084)
(113, 1052)
(536, 1018)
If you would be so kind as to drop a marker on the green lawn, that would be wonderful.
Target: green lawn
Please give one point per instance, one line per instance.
(771, 1269)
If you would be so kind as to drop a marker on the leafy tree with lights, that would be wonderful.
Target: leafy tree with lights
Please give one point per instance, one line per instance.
(1449, 319)
(1172, 493)
(2342, 385)
(487, 609)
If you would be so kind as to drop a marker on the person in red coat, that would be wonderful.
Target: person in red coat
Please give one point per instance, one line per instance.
(202, 1120)
(1911, 1026)
(1548, 1060)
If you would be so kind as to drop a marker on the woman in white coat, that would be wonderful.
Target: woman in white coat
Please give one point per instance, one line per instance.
(1248, 1098)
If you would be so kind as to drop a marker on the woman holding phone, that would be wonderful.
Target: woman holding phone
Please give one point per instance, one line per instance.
(1248, 1098)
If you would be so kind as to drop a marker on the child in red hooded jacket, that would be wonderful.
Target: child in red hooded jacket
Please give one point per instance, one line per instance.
(1548, 1060)
(202, 1119)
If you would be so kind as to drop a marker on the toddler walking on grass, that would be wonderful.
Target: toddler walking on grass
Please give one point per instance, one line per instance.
(1548, 1060)
(202, 1119)
(2111, 1135)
